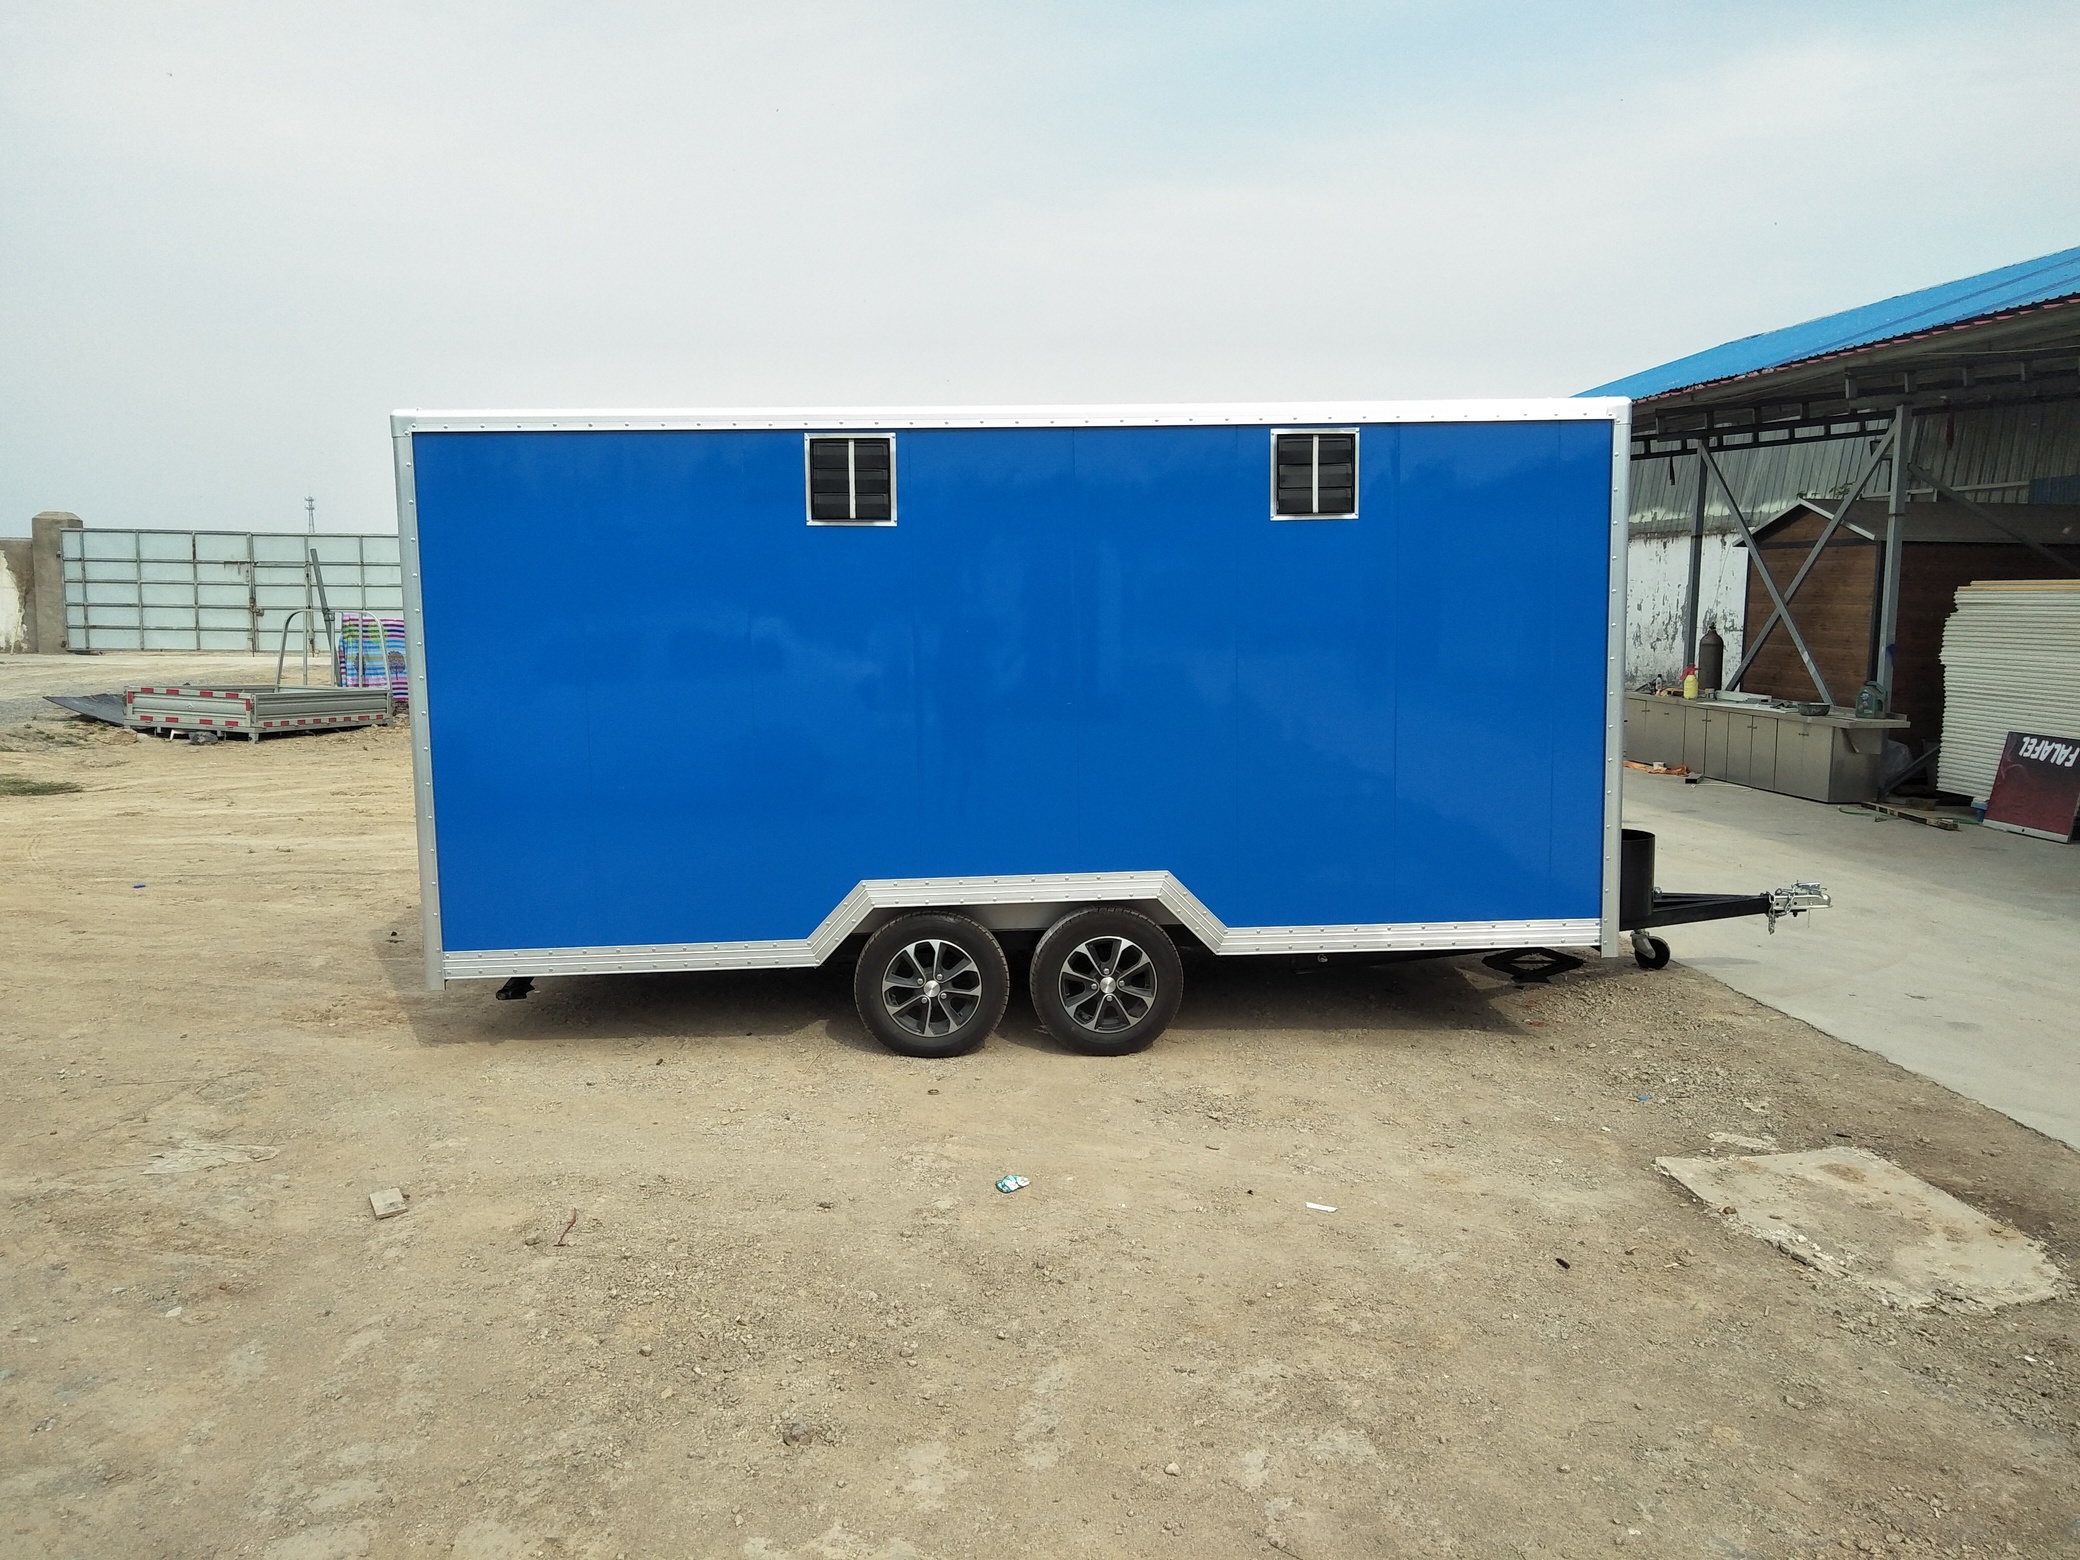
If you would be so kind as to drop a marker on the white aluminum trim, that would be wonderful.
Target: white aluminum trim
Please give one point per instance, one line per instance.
(1409, 936)
(421, 711)
(1055, 888)
(789, 954)
(1611, 939)
(883, 419)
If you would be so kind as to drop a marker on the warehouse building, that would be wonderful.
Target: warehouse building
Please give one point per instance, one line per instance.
(1781, 448)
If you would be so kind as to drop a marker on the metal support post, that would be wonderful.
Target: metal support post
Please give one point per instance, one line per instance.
(1755, 642)
(308, 615)
(1769, 582)
(1895, 531)
(317, 574)
(1696, 569)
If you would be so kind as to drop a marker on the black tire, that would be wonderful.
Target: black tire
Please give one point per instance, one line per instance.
(1657, 956)
(1072, 966)
(931, 985)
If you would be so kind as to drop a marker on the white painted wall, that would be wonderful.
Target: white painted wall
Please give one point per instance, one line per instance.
(1657, 572)
(14, 630)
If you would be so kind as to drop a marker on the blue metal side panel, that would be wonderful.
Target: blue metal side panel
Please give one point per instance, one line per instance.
(1079, 650)
(1499, 605)
(1074, 615)
(1422, 694)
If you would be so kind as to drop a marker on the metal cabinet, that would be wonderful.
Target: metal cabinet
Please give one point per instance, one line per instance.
(1805, 756)
(1825, 758)
(1654, 731)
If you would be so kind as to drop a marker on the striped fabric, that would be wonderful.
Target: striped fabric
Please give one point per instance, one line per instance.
(371, 653)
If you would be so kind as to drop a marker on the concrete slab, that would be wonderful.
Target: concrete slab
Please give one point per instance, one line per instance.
(1951, 954)
(1850, 1214)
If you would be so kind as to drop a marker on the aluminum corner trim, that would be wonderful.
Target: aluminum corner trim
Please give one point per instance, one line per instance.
(421, 708)
(1609, 940)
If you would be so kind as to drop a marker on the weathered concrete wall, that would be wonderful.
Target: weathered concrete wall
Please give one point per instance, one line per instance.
(1657, 572)
(16, 588)
(47, 575)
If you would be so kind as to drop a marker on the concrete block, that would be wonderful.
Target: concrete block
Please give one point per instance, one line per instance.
(47, 581)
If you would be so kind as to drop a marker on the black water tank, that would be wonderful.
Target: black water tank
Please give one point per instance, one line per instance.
(1635, 878)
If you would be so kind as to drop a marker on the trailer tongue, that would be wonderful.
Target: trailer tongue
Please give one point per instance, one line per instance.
(1642, 906)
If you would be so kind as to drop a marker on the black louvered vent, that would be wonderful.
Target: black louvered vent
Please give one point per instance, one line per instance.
(1317, 473)
(851, 479)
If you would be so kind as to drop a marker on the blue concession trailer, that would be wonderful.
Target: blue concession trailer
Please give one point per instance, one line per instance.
(1298, 679)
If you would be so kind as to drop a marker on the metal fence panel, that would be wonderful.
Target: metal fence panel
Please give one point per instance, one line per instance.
(216, 590)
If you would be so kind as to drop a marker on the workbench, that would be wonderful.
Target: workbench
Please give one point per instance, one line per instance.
(1826, 758)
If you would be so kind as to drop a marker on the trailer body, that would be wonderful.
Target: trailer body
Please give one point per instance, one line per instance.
(666, 718)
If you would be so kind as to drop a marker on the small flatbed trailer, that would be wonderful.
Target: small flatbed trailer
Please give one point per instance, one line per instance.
(910, 685)
(252, 712)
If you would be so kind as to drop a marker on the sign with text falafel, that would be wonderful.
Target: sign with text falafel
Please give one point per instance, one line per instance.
(2036, 790)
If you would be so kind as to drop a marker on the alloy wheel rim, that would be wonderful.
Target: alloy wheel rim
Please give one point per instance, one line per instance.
(931, 987)
(1107, 984)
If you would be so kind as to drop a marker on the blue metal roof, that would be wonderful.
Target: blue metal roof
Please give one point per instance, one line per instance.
(1993, 292)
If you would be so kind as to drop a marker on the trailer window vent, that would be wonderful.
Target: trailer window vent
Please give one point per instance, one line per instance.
(852, 481)
(1314, 475)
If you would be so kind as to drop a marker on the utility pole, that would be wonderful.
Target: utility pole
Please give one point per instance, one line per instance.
(310, 516)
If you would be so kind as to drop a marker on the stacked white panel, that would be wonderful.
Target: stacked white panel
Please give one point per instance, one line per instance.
(2011, 662)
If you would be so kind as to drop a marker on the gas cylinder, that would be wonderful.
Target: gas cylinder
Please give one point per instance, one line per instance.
(1711, 659)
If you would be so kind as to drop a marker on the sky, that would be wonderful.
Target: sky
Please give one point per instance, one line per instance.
(234, 237)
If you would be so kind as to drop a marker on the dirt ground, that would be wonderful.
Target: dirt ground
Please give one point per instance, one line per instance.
(793, 1317)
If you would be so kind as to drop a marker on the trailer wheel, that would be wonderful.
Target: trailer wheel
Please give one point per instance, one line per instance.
(1650, 952)
(1106, 981)
(931, 985)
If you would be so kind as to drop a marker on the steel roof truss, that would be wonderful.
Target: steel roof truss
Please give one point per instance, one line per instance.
(1768, 581)
(2002, 526)
(1754, 647)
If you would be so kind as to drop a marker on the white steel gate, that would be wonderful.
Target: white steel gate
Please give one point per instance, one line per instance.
(216, 590)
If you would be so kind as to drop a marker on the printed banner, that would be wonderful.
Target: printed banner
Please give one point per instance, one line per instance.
(2036, 790)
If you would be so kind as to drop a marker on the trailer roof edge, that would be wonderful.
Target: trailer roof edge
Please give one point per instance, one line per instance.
(896, 418)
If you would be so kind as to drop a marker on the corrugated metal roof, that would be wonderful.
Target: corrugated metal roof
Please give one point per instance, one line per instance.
(1933, 308)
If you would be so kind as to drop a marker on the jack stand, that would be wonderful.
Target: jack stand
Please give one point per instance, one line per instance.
(1532, 966)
